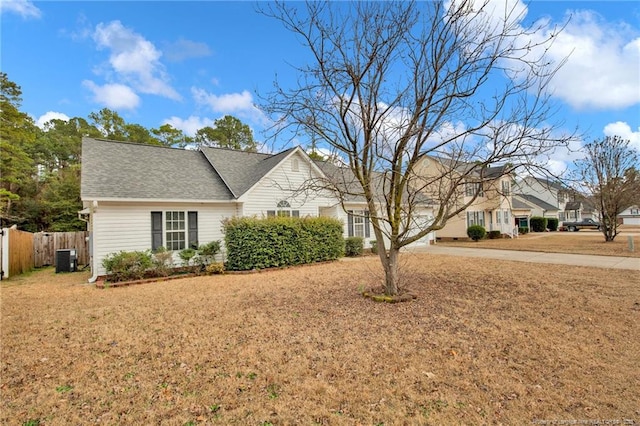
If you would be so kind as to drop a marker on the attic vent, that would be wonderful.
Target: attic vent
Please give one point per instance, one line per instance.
(295, 165)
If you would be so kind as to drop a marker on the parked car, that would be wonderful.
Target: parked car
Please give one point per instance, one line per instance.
(583, 224)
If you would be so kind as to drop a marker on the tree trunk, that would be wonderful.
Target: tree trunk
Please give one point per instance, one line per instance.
(390, 263)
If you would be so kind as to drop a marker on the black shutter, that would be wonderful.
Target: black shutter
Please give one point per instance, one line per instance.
(156, 230)
(193, 229)
(367, 232)
(350, 223)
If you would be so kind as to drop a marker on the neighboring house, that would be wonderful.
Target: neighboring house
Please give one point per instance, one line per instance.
(552, 199)
(492, 207)
(141, 197)
(526, 206)
(630, 215)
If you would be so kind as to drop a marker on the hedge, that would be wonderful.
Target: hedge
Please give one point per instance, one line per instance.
(538, 224)
(552, 223)
(281, 241)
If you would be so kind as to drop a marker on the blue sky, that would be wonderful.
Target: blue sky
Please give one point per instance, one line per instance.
(189, 63)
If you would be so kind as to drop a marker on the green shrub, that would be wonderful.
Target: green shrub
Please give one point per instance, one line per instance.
(353, 246)
(523, 230)
(206, 254)
(209, 249)
(374, 246)
(552, 223)
(476, 232)
(254, 243)
(186, 255)
(127, 265)
(494, 234)
(538, 224)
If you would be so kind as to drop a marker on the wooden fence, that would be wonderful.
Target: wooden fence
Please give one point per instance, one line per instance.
(20, 251)
(45, 245)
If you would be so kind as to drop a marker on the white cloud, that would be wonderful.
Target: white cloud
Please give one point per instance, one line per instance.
(622, 129)
(185, 49)
(190, 125)
(240, 104)
(114, 96)
(602, 57)
(602, 69)
(26, 9)
(135, 60)
(50, 115)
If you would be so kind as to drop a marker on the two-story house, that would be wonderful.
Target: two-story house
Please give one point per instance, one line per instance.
(549, 198)
(486, 193)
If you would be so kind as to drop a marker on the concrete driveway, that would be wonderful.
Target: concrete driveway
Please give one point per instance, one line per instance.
(612, 262)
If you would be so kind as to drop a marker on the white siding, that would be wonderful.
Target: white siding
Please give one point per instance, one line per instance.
(285, 184)
(421, 217)
(127, 227)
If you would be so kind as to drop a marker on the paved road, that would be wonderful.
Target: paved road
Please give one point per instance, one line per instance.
(536, 257)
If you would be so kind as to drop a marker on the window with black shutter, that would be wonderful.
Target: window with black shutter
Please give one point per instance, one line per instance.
(156, 230)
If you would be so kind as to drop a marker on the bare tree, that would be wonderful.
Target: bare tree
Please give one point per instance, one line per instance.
(392, 84)
(609, 174)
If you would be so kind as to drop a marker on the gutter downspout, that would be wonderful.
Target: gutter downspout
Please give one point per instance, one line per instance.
(92, 210)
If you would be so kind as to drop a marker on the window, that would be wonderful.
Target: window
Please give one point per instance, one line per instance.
(475, 218)
(561, 217)
(506, 187)
(175, 227)
(498, 217)
(358, 223)
(635, 211)
(471, 189)
(283, 209)
(180, 228)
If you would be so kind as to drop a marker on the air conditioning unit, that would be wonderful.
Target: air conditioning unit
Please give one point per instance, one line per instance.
(66, 261)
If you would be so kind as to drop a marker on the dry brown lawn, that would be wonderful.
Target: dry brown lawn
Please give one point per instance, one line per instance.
(582, 242)
(486, 342)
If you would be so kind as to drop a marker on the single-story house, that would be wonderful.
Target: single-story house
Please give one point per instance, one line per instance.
(630, 215)
(142, 197)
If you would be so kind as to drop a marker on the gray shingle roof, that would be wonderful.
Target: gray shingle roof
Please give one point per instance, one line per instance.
(241, 170)
(489, 172)
(344, 180)
(517, 204)
(538, 202)
(126, 170)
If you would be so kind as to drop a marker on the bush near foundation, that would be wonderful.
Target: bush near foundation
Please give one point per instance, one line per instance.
(494, 235)
(538, 224)
(476, 232)
(128, 265)
(552, 224)
(254, 243)
(354, 246)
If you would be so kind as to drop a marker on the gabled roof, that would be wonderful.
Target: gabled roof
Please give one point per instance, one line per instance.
(489, 172)
(344, 181)
(241, 170)
(546, 183)
(521, 205)
(536, 201)
(122, 170)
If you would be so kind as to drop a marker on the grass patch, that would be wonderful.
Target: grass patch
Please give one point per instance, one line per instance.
(485, 342)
